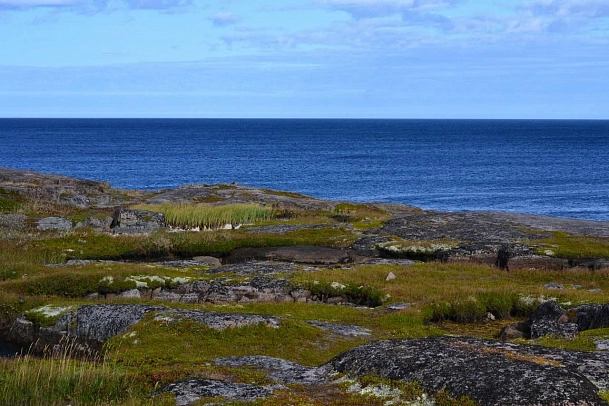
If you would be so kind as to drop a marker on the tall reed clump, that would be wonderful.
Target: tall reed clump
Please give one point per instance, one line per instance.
(60, 380)
(209, 216)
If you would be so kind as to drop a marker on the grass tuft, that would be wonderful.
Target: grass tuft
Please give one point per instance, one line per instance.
(206, 216)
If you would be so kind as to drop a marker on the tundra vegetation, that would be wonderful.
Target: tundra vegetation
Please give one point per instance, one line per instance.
(444, 298)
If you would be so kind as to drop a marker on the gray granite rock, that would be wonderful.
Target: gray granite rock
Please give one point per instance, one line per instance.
(345, 330)
(279, 370)
(491, 373)
(189, 391)
(130, 221)
(54, 223)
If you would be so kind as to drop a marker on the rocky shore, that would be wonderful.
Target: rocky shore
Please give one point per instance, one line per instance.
(107, 269)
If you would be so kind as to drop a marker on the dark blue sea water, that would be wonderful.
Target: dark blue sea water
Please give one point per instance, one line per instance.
(551, 167)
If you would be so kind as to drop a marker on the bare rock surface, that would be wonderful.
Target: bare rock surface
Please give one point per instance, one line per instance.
(592, 316)
(54, 223)
(250, 268)
(279, 370)
(240, 194)
(95, 324)
(462, 226)
(551, 319)
(218, 320)
(13, 221)
(189, 391)
(130, 221)
(345, 330)
(491, 373)
(50, 187)
(298, 254)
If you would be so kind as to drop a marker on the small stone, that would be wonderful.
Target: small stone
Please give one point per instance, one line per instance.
(131, 294)
(207, 260)
(553, 286)
(390, 276)
(510, 332)
(398, 306)
(602, 345)
(490, 316)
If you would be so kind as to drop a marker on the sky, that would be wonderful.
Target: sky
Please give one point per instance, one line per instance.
(499, 59)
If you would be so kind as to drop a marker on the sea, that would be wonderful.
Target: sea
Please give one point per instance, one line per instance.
(547, 167)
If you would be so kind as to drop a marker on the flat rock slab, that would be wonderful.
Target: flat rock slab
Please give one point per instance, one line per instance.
(345, 330)
(491, 373)
(218, 320)
(461, 226)
(280, 370)
(298, 254)
(250, 268)
(54, 223)
(191, 390)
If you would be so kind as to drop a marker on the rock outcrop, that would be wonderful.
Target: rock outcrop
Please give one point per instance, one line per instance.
(549, 319)
(92, 325)
(491, 373)
(54, 223)
(298, 254)
(190, 390)
(130, 221)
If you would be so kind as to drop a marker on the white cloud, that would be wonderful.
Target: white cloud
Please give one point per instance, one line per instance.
(567, 8)
(157, 4)
(88, 5)
(40, 3)
(223, 19)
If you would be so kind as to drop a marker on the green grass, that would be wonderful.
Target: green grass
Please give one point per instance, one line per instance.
(61, 380)
(564, 245)
(196, 344)
(10, 201)
(205, 216)
(449, 298)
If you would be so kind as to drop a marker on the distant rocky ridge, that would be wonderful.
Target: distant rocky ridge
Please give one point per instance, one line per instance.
(493, 238)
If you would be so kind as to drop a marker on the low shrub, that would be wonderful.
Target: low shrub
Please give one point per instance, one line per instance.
(66, 285)
(467, 309)
(356, 294)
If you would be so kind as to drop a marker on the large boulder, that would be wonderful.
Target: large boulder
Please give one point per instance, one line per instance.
(591, 316)
(491, 373)
(131, 221)
(549, 319)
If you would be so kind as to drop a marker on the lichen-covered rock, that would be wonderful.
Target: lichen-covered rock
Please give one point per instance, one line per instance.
(298, 254)
(101, 322)
(279, 370)
(550, 319)
(591, 316)
(95, 223)
(547, 319)
(189, 391)
(131, 221)
(345, 330)
(218, 320)
(251, 268)
(491, 373)
(54, 223)
(92, 325)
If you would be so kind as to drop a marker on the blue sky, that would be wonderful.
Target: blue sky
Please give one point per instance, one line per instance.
(305, 58)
